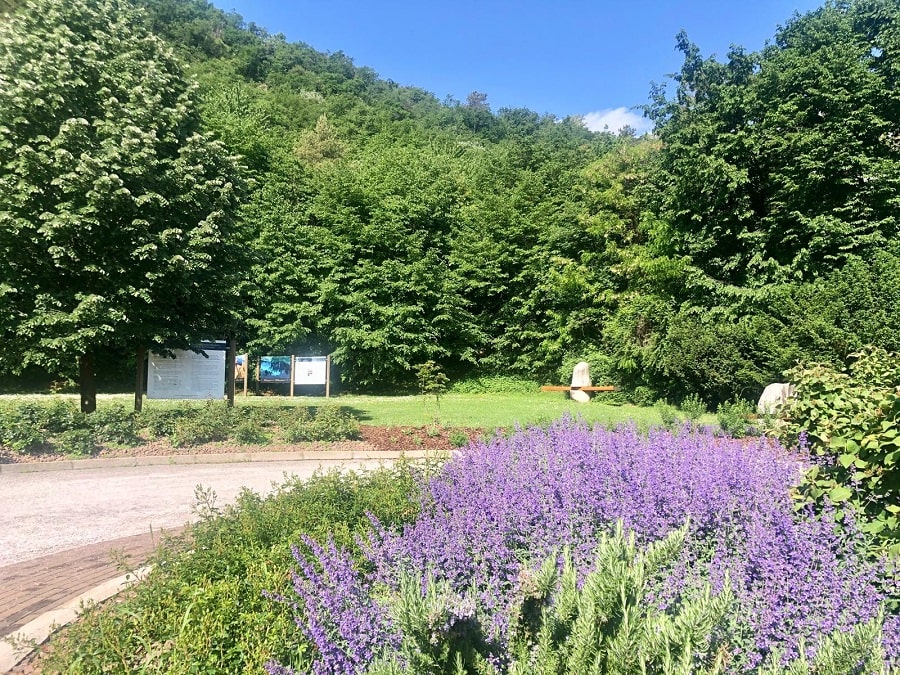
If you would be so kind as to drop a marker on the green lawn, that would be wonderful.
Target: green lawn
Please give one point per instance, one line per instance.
(485, 411)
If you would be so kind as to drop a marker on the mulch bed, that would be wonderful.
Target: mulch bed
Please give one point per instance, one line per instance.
(373, 438)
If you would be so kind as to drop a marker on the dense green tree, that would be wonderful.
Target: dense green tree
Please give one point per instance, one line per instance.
(778, 165)
(116, 214)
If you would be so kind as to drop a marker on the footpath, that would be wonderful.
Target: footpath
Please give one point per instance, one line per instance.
(45, 592)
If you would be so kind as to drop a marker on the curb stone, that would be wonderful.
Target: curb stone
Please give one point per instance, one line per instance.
(221, 458)
(38, 630)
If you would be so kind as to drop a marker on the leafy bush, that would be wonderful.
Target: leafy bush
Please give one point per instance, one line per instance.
(248, 432)
(851, 422)
(693, 406)
(668, 414)
(113, 424)
(160, 422)
(494, 508)
(603, 623)
(78, 442)
(210, 423)
(330, 423)
(642, 396)
(494, 384)
(28, 426)
(203, 608)
(734, 417)
(458, 438)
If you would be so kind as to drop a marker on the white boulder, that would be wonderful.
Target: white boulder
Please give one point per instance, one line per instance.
(774, 397)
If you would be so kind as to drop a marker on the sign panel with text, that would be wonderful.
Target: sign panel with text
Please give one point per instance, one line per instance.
(189, 375)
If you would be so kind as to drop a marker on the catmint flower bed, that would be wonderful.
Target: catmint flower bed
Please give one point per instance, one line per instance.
(499, 508)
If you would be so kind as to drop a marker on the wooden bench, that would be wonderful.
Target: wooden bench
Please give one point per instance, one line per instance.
(550, 387)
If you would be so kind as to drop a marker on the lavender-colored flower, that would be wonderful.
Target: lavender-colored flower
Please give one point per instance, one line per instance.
(499, 507)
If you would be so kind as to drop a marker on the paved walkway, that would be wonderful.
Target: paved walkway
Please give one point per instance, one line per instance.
(30, 588)
(58, 529)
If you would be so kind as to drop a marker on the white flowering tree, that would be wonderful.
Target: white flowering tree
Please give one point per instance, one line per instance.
(117, 214)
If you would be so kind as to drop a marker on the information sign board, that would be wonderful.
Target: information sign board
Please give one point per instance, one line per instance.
(275, 369)
(189, 375)
(310, 370)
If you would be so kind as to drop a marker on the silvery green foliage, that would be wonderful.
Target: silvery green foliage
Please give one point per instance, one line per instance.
(116, 211)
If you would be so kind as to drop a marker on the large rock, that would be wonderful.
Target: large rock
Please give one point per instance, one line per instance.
(581, 377)
(774, 397)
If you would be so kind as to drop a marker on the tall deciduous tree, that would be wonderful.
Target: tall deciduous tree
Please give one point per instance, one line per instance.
(778, 165)
(117, 218)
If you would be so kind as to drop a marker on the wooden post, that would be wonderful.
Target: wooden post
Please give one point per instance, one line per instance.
(328, 376)
(293, 358)
(257, 376)
(139, 371)
(246, 373)
(229, 371)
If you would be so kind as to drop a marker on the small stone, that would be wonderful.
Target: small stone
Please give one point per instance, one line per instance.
(581, 377)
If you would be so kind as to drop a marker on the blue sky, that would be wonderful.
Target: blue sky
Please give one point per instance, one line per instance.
(594, 59)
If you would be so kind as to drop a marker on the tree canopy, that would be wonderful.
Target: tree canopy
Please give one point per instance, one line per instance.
(116, 212)
(755, 226)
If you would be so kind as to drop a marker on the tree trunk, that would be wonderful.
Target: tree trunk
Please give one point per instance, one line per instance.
(139, 371)
(87, 383)
(229, 371)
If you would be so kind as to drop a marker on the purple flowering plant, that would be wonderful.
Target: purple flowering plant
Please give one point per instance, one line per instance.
(499, 508)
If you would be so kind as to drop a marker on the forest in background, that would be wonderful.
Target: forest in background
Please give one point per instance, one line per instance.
(754, 228)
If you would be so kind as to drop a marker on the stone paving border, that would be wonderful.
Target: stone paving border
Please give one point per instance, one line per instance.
(222, 458)
(39, 595)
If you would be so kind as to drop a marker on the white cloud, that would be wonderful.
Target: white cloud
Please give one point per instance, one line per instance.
(613, 119)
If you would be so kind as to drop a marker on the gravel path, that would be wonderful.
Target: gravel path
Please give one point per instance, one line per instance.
(49, 512)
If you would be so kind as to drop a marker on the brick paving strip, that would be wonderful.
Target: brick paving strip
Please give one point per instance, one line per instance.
(30, 590)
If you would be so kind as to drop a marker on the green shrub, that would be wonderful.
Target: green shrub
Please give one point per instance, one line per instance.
(458, 438)
(210, 423)
(113, 424)
(79, 442)
(851, 420)
(249, 432)
(642, 396)
(160, 422)
(330, 423)
(206, 606)
(495, 384)
(693, 407)
(607, 624)
(668, 414)
(27, 426)
(734, 417)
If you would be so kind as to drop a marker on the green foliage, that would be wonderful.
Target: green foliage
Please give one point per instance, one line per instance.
(734, 417)
(855, 651)
(668, 414)
(458, 438)
(206, 606)
(851, 420)
(133, 244)
(494, 384)
(212, 422)
(693, 406)
(607, 624)
(763, 181)
(77, 442)
(113, 425)
(329, 423)
(432, 380)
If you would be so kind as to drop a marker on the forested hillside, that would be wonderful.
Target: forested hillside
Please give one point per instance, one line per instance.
(755, 227)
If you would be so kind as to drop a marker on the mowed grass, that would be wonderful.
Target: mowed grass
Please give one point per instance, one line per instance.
(483, 411)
